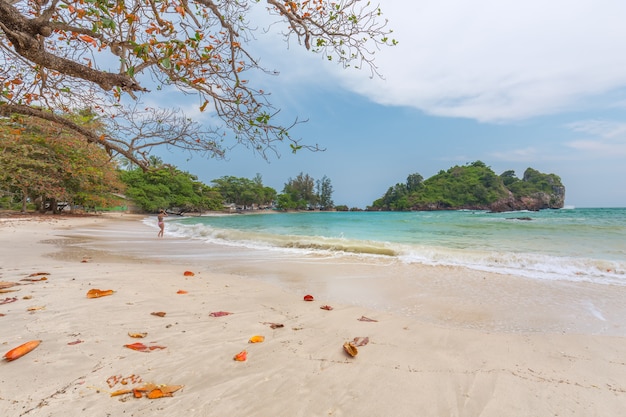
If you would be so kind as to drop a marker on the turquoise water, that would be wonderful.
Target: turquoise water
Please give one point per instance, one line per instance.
(567, 244)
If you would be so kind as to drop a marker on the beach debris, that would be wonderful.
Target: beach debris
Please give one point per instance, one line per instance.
(181, 292)
(150, 391)
(219, 314)
(35, 308)
(140, 347)
(8, 300)
(360, 341)
(158, 313)
(8, 284)
(350, 349)
(189, 274)
(138, 335)
(326, 307)
(96, 293)
(85, 260)
(75, 342)
(124, 380)
(35, 274)
(241, 356)
(21, 350)
(2, 314)
(256, 339)
(27, 297)
(308, 297)
(273, 325)
(363, 318)
(35, 279)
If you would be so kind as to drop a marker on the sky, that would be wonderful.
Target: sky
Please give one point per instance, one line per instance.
(538, 84)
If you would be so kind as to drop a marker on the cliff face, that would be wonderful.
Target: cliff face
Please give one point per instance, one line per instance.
(548, 193)
(537, 201)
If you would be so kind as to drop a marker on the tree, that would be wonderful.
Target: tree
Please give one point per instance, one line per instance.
(245, 192)
(41, 162)
(325, 193)
(55, 53)
(299, 193)
(169, 188)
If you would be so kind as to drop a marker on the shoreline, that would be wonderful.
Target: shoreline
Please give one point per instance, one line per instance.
(409, 366)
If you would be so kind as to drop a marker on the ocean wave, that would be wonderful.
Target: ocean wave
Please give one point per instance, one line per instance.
(531, 265)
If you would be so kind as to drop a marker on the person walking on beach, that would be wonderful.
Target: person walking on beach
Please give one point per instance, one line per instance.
(161, 222)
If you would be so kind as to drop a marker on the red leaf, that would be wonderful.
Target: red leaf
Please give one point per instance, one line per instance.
(308, 297)
(219, 313)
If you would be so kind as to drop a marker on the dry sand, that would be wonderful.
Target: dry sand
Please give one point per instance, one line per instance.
(450, 366)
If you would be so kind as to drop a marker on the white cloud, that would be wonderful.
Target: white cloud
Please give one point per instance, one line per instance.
(603, 138)
(499, 60)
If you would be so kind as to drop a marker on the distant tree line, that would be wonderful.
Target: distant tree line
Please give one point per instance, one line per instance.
(47, 168)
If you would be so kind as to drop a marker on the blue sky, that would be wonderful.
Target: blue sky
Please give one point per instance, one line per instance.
(513, 84)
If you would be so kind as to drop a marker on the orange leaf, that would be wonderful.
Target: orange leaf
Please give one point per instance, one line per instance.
(96, 293)
(308, 297)
(241, 356)
(157, 393)
(138, 335)
(88, 39)
(121, 392)
(21, 350)
(188, 274)
(159, 313)
(140, 347)
(326, 307)
(256, 339)
(181, 292)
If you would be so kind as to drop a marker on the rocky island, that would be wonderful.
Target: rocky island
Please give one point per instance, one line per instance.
(475, 187)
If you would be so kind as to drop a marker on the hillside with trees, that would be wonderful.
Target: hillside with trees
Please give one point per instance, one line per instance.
(475, 187)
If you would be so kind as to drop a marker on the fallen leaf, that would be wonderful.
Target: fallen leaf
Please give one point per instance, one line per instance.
(140, 347)
(34, 274)
(308, 297)
(21, 350)
(350, 349)
(219, 313)
(241, 356)
(34, 279)
(8, 300)
(4, 291)
(159, 313)
(35, 308)
(256, 339)
(75, 342)
(6, 284)
(360, 341)
(96, 293)
(326, 307)
(157, 393)
(181, 292)
(363, 318)
(121, 392)
(27, 297)
(138, 335)
(273, 325)
(188, 274)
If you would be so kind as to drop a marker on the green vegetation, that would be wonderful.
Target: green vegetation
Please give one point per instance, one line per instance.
(44, 165)
(473, 186)
(169, 188)
(304, 193)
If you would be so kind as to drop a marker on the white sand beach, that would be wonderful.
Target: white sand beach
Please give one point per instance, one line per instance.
(450, 358)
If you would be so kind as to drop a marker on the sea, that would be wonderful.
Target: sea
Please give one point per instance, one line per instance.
(569, 244)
